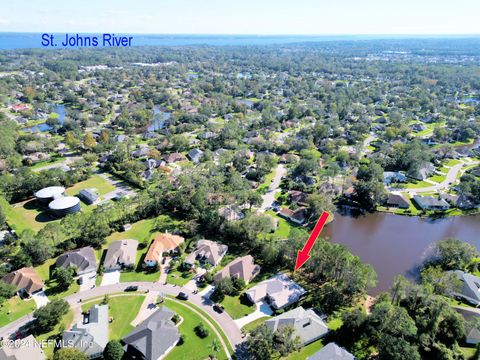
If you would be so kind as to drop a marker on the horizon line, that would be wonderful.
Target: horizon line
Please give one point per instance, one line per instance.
(252, 34)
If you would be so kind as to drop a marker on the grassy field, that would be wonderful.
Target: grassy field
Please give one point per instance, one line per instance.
(468, 352)
(131, 276)
(15, 308)
(194, 348)
(140, 231)
(51, 289)
(263, 188)
(283, 230)
(95, 182)
(306, 351)
(28, 215)
(438, 178)
(237, 307)
(25, 215)
(178, 278)
(254, 324)
(56, 332)
(123, 310)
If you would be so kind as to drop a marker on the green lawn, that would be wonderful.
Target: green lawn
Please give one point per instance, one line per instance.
(254, 324)
(28, 215)
(438, 178)
(194, 347)
(420, 184)
(15, 308)
(266, 182)
(95, 182)
(237, 307)
(48, 162)
(468, 352)
(140, 231)
(306, 351)
(51, 289)
(178, 278)
(25, 215)
(284, 227)
(451, 162)
(131, 276)
(123, 310)
(56, 333)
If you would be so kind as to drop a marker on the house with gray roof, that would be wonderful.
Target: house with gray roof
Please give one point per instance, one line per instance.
(393, 177)
(332, 352)
(279, 291)
(423, 171)
(90, 336)
(154, 338)
(88, 196)
(83, 260)
(470, 287)
(431, 203)
(121, 254)
(308, 326)
(26, 349)
(195, 155)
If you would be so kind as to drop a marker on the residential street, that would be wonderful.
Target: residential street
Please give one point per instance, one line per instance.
(224, 320)
(450, 179)
(269, 197)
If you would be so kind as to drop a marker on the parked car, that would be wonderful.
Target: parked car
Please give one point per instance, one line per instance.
(131, 288)
(182, 296)
(218, 308)
(80, 280)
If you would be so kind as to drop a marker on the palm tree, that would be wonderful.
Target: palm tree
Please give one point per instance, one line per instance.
(215, 347)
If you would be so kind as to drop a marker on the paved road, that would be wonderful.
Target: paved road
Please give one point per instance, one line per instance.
(67, 161)
(224, 320)
(449, 179)
(269, 197)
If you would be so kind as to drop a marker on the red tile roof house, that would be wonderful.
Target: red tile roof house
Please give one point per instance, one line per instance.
(162, 243)
(297, 216)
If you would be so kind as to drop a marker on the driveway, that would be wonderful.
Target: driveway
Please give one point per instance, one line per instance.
(110, 278)
(269, 197)
(88, 281)
(148, 308)
(263, 309)
(40, 299)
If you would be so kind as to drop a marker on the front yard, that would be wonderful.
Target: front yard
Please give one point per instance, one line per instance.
(194, 348)
(15, 308)
(123, 310)
(237, 306)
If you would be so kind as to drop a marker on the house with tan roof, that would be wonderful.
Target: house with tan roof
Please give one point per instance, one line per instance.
(161, 244)
(121, 254)
(207, 251)
(24, 349)
(26, 281)
(278, 291)
(243, 268)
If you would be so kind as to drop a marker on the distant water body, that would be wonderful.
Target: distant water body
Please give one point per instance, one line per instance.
(34, 40)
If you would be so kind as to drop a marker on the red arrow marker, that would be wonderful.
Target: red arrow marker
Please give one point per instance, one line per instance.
(304, 254)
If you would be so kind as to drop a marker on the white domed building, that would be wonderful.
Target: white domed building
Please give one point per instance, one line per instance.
(64, 205)
(48, 194)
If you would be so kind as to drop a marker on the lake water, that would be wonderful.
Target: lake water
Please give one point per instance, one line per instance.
(395, 244)
(56, 108)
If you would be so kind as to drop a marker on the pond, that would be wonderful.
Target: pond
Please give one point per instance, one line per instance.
(395, 244)
(56, 108)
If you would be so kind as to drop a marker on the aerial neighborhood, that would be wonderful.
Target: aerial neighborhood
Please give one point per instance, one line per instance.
(153, 202)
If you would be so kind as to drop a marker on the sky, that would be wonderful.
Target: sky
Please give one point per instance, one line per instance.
(260, 17)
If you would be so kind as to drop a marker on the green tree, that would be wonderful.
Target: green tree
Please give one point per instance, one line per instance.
(260, 343)
(113, 350)
(68, 353)
(64, 277)
(453, 254)
(48, 316)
